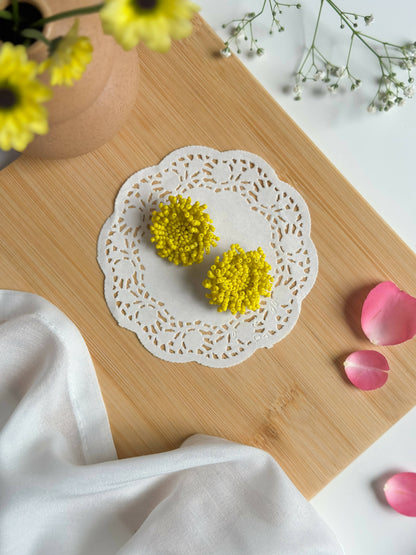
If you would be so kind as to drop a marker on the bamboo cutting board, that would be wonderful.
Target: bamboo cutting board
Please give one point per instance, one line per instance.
(292, 400)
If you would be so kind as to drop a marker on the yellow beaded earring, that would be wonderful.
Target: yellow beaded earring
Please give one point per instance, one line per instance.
(182, 232)
(238, 280)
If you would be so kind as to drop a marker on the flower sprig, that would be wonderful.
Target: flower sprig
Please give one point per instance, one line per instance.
(391, 59)
(238, 280)
(182, 232)
(395, 62)
(243, 27)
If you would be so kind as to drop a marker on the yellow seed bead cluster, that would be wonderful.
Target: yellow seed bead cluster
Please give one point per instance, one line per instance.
(238, 280)
(182, 232)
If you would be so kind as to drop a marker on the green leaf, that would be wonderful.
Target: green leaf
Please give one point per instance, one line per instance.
(4, 14)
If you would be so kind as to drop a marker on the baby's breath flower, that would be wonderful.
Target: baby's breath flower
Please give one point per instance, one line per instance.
(411, 47)
(340, 72)
(390, 57)
(182, 232)
(319, 75)
(406, 64)
(244, 27)
(297, 89)
(371, 108)
(237, 282)
(386, 96)
(237, 31)
(226, 52)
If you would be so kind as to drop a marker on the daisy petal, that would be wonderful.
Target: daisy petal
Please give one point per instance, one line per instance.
(367, 369)
(400, 491)
(389, 315)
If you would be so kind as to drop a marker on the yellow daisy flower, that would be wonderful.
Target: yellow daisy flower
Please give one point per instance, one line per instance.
(239, 280)
(155, 22)
(69, 57)
(21, 95)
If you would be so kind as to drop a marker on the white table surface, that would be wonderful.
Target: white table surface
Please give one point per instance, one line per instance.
(376, 153)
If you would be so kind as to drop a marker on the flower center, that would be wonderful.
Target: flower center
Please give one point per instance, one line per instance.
(146, 4)
(8, 98)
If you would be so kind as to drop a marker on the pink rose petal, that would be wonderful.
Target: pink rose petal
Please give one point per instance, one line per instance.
(400, 492)
(367, 369)
(389, 315)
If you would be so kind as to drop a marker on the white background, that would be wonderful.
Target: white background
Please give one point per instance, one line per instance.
(376, 153)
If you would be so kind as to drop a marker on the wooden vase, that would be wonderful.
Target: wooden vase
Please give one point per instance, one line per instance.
(86, 115)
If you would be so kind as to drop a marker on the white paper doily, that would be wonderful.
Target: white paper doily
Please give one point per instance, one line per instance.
(164, 304)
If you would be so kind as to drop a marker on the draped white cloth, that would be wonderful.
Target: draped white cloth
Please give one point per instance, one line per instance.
(63, 491)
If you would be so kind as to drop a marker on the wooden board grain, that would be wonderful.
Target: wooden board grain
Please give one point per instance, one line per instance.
(292, 400)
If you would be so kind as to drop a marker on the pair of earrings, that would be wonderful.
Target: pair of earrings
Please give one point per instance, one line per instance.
(184, 233)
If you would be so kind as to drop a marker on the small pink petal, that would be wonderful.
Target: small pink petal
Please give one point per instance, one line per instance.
(400, 492)
(389, 315)
(367, 369)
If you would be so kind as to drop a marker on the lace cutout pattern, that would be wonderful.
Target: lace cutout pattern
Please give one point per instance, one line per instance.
(164, 304)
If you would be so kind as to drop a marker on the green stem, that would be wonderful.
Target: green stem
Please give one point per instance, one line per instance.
(346, 20)
(388, 58)
(324, 58)
(70, 13)
(246, 23)
(380, 41)
(391, 57)
(354, 14)
(311, 49)
(278, 4)
(358, 34)
(15, 13)
(349, 50)
(246, 20)
(317, 22)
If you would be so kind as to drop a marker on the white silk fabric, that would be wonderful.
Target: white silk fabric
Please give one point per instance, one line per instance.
(63, 491)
